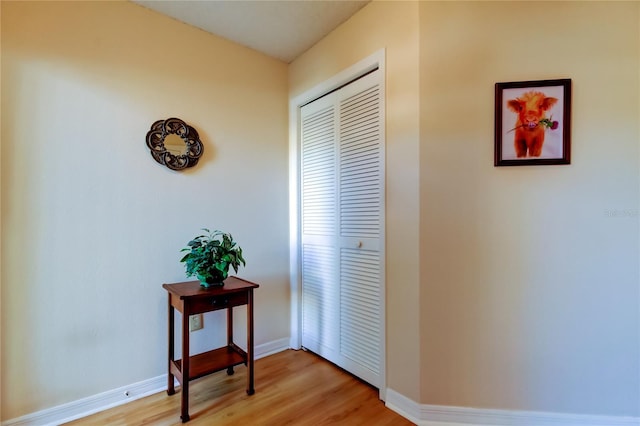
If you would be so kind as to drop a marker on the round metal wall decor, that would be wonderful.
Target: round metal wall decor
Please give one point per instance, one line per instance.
(175, 144)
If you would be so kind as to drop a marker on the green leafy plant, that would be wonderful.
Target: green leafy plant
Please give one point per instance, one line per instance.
(210, 256)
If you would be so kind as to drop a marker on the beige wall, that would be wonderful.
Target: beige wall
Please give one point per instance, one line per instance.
(390, 25)
(91, 225)
(1, 315)
(529, 295)
(507, 288)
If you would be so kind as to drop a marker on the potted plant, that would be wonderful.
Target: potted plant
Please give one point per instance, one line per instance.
(210, 256)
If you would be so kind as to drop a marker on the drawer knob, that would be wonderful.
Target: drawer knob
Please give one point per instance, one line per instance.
(219, 302)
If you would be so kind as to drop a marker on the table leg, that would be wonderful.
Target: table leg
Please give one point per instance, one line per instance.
(230, 334)
(170, 388)
(185, 368)
(250, 389)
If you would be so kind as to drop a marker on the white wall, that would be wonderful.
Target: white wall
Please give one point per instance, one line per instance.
(91, 224)
(529, 297)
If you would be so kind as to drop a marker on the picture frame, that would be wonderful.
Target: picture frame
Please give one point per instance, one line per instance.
(533, 123)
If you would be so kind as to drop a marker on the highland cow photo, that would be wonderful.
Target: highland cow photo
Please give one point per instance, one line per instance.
(532, 123)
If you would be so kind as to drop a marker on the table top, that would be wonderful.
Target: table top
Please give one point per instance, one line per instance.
(193, 289)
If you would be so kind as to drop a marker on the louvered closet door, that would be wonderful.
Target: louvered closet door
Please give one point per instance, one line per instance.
(343, 228)
(320, 286)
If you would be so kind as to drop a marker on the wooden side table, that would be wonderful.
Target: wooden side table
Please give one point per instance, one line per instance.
(190, 298)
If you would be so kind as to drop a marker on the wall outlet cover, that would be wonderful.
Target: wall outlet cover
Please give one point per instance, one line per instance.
(195, 322)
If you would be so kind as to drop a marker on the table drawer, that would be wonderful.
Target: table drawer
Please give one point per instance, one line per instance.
(213, 303)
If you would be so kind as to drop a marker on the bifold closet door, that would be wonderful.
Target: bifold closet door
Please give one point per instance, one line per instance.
(342, 220)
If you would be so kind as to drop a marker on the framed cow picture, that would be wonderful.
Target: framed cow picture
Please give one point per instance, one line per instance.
(533, 123)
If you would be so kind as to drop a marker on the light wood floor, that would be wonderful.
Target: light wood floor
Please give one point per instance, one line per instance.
(292, 388)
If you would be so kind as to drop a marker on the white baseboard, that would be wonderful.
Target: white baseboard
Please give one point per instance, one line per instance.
(402, 405)
(109, 399)
(420, 414)
(436, 415)
(270, 348)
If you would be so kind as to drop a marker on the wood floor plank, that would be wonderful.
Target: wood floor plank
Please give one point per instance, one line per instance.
(292, 388)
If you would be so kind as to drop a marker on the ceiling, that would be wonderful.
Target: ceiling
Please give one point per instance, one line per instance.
(280, 29)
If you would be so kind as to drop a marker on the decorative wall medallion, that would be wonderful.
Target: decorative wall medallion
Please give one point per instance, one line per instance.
(174, 144)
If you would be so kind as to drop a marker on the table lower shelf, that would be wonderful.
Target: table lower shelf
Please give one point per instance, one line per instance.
(210, 362)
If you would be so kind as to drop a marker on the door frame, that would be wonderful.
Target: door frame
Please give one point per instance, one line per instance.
(366, 65)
